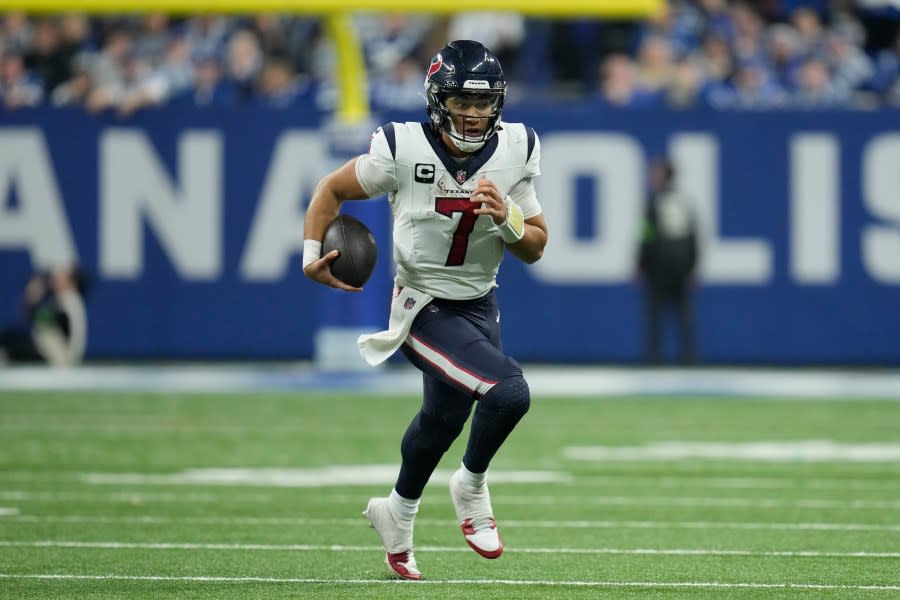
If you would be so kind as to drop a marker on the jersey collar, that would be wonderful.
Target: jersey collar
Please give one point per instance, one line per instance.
(461, 170)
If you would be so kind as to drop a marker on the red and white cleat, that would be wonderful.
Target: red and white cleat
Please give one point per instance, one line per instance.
(484, 540)
(476, 518)
(396, 535)
(403, 565)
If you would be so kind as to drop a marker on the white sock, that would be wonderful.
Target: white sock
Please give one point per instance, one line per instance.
(470, 479)
(402, 508)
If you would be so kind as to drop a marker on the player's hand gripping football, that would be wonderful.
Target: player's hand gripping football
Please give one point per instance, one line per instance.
(492, 201)
(320, 270)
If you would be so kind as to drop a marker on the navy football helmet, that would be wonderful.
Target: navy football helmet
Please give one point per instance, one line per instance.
(464, 67)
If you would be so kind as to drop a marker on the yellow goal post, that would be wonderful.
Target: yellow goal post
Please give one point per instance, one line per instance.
(353, 104)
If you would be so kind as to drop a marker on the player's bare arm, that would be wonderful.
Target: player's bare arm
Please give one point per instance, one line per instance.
(330, 192)
(530, 247)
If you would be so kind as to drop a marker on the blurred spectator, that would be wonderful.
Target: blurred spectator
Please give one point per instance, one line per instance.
(209, 90)
(682, 23)
(75, 33)
(752, 89)
(207, 35)
(117, 89)
(687, 88)
(47, 58)
(716, 59)
(748, 44)
(654, 66)
(296, 38)
(401, 89)
(808, 25)
(75, 91)
(667, 259)
(153, 88)
(107, 66)
(389, 38)
(886, 78)
(784, 55)
(243, 63)
(56, 320)
(18, 87)
(849, 66)
(619, 87)
(152, 40)
(816, 89)
(719, 20)
(502, 32)
(280, 87)
(17, 32)
(719, 54)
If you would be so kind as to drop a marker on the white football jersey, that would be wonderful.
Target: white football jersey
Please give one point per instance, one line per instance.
(441, 246)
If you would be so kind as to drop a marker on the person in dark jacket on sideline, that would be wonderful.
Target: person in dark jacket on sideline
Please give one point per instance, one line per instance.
(667, 261)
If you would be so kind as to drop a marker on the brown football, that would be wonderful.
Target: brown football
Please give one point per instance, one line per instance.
(358, 251)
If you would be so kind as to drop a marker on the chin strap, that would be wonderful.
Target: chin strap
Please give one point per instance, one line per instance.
(462, 144)
(513, 228)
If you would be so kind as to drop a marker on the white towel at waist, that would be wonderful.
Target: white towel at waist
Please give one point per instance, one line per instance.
(378, 347)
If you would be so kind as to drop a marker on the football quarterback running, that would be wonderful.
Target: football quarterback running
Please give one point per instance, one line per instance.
(460, 188)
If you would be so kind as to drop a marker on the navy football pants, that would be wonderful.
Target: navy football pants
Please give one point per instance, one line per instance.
(456, 345)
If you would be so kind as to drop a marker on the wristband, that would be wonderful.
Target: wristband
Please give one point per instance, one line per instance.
(312, 251)
(513, 228)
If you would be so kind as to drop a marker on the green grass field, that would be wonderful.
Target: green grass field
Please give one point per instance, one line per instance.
(109, 495)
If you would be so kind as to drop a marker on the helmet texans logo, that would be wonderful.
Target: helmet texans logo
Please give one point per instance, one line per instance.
(436, 63)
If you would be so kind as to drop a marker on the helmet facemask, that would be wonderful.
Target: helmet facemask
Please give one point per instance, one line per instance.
(470, 111)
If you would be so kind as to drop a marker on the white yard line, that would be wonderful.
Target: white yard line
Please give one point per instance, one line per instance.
(669, 501)
(880, 482)
(793, 452)
(454, 549)
(465, 582)
(775, 483)
(513, 523)
(133, 497)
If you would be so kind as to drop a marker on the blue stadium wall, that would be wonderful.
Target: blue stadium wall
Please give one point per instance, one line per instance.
(191, 225)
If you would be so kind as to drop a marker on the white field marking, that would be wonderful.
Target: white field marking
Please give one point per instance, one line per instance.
(107, 426)
(507, 523)
(776, 483)
(440, 549)
(670, 501)
(464, 582)
(792, 452)
(149, 497)
(127, 497)
(330, 475)
(881, 482)
(6, 511)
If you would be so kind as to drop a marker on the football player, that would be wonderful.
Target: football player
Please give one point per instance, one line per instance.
(460, 187)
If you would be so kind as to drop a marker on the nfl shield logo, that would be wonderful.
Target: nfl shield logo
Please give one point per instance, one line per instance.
(410, 302)
(461, 176)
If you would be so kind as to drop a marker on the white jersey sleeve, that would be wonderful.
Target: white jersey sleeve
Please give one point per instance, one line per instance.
(523, 192)
(377, 170)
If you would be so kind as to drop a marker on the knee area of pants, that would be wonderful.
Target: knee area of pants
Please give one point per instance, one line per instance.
(510, 395)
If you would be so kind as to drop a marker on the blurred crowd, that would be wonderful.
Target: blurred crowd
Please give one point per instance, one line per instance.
(718, 54)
